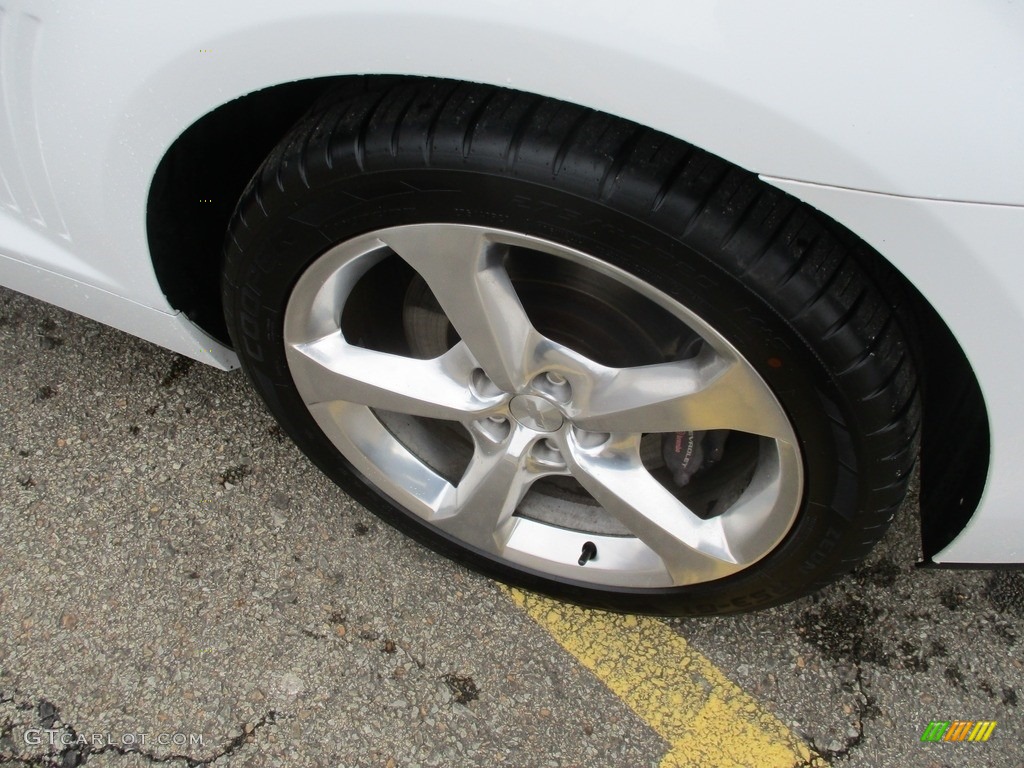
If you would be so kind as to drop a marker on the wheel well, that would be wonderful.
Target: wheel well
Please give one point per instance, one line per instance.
(199, 180)
(955, 438)
(204, 172)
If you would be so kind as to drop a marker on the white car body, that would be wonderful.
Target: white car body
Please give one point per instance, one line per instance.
(900, 121)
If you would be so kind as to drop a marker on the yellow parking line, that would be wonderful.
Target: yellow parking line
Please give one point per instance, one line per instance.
(706, 719)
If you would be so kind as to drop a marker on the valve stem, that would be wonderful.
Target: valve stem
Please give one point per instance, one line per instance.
(589, 553)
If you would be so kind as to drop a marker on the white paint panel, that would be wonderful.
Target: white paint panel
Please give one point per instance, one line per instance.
(854, 94)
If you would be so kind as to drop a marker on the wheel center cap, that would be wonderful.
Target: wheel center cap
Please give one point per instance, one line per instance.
(536, 413)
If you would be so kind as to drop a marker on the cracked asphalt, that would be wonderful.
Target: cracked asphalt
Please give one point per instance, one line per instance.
(178, 585)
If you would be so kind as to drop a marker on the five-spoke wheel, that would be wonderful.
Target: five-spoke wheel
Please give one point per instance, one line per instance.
(534, 408)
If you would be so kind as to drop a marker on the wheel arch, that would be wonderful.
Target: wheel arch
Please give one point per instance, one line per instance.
(198, 181)
(955, 438)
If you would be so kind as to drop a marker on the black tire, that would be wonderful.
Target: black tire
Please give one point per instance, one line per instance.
(788, 287)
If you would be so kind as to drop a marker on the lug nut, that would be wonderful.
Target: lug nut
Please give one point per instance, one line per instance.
(494, 428)
(483, 386)
(590, 439)
(547, 454)
(554, 386)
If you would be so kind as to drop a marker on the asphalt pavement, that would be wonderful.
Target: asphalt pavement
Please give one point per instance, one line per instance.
(179, 585)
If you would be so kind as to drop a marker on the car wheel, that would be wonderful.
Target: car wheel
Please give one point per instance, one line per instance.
(573, 353)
